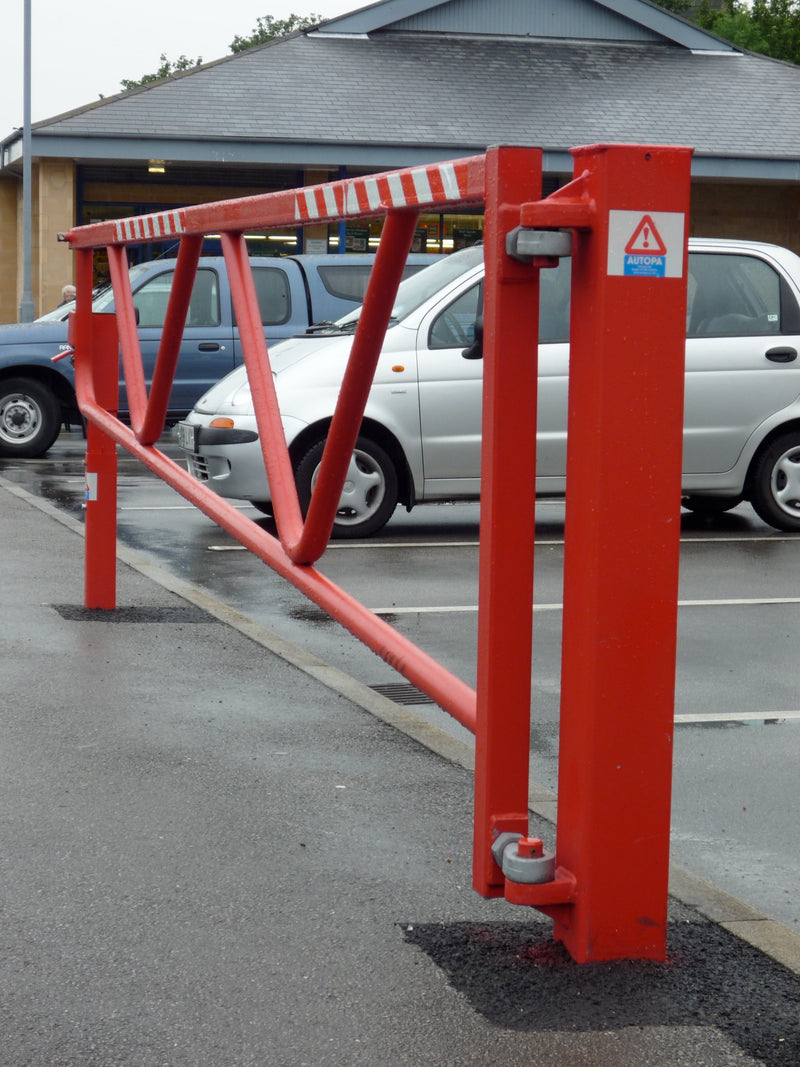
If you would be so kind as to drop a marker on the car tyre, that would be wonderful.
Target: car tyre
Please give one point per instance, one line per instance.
(709, 506)
(30, 418)
(265, 507)
(775, 487)
(371, 488)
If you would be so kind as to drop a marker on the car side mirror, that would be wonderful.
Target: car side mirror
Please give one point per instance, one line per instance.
(475, 350)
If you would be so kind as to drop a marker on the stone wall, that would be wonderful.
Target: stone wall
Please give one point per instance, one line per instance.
(55, 262)
(9, 301)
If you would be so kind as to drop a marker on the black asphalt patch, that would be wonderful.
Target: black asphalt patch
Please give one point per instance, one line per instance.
(518, 978)
(179, 613)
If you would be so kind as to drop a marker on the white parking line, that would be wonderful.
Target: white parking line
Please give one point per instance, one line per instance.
(376, 544)
(454, 609)
(544, 543)
(738, 716)
(743, 602)
(414, 544)
(450, 609)
(738, 538)
(179, 507)
(549, 542)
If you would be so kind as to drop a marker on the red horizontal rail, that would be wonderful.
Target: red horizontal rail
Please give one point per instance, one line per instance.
(454, 183)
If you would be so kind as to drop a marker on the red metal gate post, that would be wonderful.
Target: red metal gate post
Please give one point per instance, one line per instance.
(628, 328)
(629, 207)
(95, 340)
(508, 467)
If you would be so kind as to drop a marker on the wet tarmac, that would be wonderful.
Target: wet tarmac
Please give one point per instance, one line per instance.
(737, 737)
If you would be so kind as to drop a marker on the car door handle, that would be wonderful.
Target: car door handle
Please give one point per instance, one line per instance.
(208, 346)
(781, 355)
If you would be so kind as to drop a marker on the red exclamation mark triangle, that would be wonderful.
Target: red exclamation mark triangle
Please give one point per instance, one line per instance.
(646, 240)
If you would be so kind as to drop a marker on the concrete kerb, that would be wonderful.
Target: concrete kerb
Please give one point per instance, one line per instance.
(770, 937)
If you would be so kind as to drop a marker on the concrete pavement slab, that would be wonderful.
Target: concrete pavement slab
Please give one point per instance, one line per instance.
(210, 857)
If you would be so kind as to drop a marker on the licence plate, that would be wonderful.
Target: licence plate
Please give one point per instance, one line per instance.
(187, 436)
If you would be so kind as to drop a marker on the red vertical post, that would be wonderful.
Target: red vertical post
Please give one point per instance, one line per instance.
(95, 340)
(508, 467)
(621, 552)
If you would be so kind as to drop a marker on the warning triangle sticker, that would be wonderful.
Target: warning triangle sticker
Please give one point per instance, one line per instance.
(646, 240)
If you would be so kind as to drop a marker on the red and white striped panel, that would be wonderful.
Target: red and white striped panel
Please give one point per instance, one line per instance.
(439, 183)
(149, 227)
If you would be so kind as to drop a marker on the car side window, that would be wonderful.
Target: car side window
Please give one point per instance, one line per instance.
(346, 280)
(733, 295)
(272, 292)
(554, 298)
(455, 326)
(151, 300)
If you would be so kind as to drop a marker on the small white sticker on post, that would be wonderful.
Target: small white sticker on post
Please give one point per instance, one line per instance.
(91, 486)
(646, 244)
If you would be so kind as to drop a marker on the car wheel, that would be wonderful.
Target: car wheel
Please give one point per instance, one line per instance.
(709, 506)
(30, 418)
(370, 490)
(775, 492)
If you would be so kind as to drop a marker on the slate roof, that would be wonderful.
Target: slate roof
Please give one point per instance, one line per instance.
(457, 95)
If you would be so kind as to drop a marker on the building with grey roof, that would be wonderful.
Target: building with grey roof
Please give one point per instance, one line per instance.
(403, 82)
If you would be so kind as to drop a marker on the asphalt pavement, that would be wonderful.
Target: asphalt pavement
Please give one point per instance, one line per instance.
(220, 851)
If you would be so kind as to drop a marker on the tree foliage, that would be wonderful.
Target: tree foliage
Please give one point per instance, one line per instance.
(266, 29)
(678, 7)
(770, 27)
(166, 70)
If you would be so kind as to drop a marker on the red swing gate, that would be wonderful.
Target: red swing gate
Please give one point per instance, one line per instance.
(623, 219)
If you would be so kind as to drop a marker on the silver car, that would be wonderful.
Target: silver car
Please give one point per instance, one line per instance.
(420, 439)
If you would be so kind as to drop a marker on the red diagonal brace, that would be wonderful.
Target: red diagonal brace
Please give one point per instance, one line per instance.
(170, 345)
(128, 336)
(385, 277)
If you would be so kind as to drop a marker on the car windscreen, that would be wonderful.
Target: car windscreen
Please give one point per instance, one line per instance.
(414, 291)
(103, 298)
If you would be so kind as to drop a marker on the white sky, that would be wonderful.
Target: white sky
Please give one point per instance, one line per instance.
(82, 48)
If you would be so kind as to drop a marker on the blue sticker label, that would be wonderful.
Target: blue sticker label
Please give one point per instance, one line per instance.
(645, 266)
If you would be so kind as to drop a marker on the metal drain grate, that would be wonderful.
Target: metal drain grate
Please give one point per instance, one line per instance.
(181, 613)
(402, 693)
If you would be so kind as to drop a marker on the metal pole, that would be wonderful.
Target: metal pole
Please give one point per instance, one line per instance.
(26, 309)
(627, 339)
(502, 739)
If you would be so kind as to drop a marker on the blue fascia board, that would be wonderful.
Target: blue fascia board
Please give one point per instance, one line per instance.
(361, 157)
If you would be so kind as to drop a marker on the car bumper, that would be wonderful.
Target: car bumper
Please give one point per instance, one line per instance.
(228, 460)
